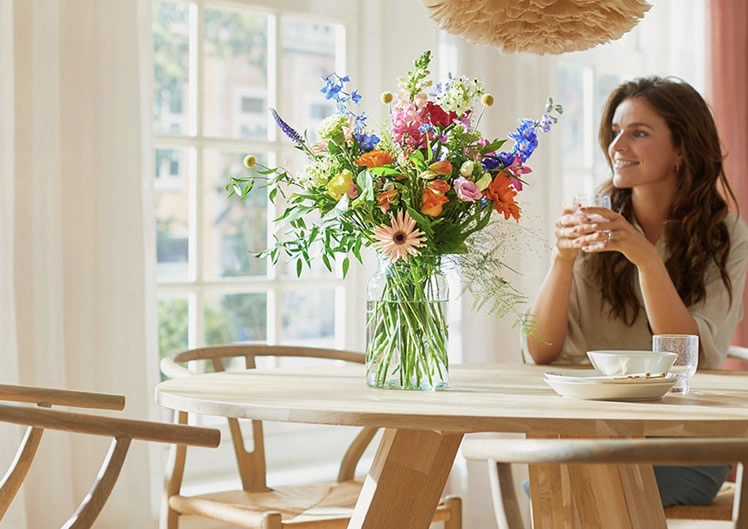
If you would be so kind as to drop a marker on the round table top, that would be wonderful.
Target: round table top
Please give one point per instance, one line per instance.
(480, 398)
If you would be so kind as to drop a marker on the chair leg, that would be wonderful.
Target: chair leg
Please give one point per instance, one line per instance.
(454, 504)
(90, 507)
(740, 504)
(16, 473)
(505, 503)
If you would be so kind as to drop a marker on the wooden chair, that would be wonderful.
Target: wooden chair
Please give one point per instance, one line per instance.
(326, 505)
(122, 431)
(501, 452)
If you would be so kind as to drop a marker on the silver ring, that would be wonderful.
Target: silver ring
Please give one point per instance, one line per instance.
(609, 234)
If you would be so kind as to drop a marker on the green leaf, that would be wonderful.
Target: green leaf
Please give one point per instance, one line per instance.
(346, 265)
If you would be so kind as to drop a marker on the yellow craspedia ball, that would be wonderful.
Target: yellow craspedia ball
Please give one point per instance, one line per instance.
(487, 100)
(249, 161)
(387, 98)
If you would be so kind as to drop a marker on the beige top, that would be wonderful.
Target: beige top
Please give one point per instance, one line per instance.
(592, 329)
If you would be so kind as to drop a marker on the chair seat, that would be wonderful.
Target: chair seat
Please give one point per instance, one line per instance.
(719, 509)
(298, 505)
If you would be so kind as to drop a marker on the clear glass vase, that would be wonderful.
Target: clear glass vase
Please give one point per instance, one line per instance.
(406, 325)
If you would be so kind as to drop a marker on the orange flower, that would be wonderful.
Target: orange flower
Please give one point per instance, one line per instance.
(501, 193)
(386, 197)
(438, 186)
(375, 158)
(442, 167)
(433, 199)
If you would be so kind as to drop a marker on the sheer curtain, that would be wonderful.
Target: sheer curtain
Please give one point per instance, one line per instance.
(74, 309)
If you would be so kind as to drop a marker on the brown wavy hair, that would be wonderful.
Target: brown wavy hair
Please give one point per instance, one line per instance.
(695, 230)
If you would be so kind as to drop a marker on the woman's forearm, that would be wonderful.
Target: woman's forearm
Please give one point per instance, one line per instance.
(550, 312)
(666, 311)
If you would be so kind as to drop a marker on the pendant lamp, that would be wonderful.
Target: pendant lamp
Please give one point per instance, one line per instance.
(538, 26)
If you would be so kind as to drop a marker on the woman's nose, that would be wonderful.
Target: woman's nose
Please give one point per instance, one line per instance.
(617, 144)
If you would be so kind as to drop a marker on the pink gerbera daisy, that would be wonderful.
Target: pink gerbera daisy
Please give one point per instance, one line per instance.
(400, 239)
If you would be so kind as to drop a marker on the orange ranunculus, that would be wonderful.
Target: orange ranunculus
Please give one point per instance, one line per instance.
(501, 193)
(385, 199)
(433, 199)
(375, 158)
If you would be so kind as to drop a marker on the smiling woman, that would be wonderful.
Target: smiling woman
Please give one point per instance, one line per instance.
(676, 261)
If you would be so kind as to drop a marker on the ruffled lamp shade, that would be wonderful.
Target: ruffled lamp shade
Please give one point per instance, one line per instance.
(538, 26)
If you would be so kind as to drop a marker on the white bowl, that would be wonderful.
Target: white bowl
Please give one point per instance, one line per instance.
(612, 363)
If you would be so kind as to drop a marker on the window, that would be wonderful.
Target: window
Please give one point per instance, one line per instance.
(218, 66)
(659, 45)
(226, 63)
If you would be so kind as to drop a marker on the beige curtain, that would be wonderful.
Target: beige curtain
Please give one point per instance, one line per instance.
(74, 160)
(728, 80)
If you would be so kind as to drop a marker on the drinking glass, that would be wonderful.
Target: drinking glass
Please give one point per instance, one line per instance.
(686, 346)
(593, 199)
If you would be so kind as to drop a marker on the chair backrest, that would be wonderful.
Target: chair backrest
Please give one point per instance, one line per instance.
(251, 464)
(122, 431)
(662, 451)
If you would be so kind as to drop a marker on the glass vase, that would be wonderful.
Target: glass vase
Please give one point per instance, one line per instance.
(406, 325)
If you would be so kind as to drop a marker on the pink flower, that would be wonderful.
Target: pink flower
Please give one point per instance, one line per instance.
(466, 190)
(400, 239)
(517, 170)
(406, 123)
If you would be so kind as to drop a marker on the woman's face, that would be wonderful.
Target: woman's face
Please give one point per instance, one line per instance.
(642, 148)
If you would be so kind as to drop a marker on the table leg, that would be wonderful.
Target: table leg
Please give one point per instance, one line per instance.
(595, 497)
(406, 480)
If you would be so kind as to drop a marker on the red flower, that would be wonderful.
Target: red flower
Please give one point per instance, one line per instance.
(434, 114)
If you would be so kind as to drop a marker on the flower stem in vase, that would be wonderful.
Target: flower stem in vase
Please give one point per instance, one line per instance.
(407, 329)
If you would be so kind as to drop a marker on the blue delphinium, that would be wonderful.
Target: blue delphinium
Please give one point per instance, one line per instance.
(525, 138)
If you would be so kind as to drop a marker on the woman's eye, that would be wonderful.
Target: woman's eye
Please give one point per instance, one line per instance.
(639, 134)
(614, 134)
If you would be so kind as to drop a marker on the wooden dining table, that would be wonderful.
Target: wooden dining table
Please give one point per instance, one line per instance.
(424, 429)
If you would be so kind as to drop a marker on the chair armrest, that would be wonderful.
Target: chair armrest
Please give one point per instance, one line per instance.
(663, 451)
(61, 397)
(172, 369)
(110, 426)
(736, 351)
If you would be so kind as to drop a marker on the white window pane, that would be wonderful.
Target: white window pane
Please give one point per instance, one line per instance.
(235, 92)
(604, 85)
(173, 318)
(171, 68)
(232, 228)
(308, 316)
(308, 51)
(229, 318)
(172, 176)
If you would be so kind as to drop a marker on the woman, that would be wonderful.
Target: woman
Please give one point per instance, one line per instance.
(668, 258)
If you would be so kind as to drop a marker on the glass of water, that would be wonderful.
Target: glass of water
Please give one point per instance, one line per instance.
(600, 200)
(686, 346)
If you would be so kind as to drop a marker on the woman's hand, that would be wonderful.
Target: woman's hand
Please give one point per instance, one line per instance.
(606, 231)
(574, 231)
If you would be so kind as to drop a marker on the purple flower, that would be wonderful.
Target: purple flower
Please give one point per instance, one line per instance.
(546, 122)
(287, 129)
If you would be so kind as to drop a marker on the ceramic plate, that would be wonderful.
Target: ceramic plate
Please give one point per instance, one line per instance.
(593, 376)
(596, 387)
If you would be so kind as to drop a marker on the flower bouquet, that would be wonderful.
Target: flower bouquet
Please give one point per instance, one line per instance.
(418, 190)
